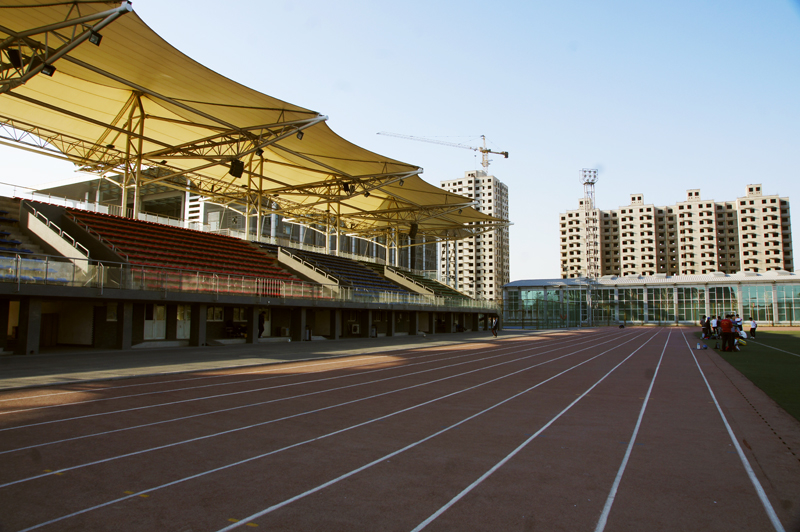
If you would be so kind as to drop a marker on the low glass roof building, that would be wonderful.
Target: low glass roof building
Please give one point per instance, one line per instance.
(771, 298)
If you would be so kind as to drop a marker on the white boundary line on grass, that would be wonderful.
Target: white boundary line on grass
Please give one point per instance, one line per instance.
(601, 523)
(775, 348)
(762, 495)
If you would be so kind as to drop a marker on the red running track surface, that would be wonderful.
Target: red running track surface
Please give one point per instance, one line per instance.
(607, 429)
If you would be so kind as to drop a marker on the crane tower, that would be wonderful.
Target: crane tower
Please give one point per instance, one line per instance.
(484, 150)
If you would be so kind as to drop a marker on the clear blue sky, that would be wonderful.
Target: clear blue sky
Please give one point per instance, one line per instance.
(659, 96)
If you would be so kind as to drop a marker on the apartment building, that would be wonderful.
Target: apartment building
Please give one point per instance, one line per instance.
(478, 266)
(696, 236)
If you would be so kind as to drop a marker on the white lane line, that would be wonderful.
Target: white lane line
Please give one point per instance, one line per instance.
(513, 453)
(264, 423)
(775, 348)
(248, 381)
(349, 375)
(261, 403)
(273, 366)
(601, 523)
(324, 436)
(762, 495)
(173, 390)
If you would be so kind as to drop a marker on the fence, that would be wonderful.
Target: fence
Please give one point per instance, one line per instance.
(87, 273)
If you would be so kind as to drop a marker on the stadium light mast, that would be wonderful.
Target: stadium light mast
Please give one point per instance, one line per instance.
(588, 177)
(592, 232)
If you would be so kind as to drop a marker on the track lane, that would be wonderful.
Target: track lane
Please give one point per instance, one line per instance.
(686, 473)
(9, 422)
(260, 514)
(303, 410)
(138, 493)
(498, 353)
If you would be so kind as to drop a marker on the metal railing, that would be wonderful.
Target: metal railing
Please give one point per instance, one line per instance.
(55, 228)
(87, 273)
(399, 273)
(97, 235)
(307, 264)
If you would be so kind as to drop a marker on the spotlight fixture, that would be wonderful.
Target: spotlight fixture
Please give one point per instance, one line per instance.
(366, 193)
(346, 188)
(95, 38)
(459, 211)
(299, 135)
(400, 182)
(110, 146)
(163, 162)
(48, 70)
(237, 168)
(14, 57)
(259, 152)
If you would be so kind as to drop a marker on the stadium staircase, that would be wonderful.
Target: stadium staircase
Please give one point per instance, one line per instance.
(21, 259)
(12, 239)
(437, 288)
(349, 273)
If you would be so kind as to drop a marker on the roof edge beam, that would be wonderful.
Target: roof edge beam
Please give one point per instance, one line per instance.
(109, 16)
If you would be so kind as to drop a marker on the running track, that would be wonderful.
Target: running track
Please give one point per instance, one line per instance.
(608, 429)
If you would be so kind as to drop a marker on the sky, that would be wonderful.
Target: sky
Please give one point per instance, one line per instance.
(660, 97)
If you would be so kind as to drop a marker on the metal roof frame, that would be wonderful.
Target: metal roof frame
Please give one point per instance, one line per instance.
(108, 117)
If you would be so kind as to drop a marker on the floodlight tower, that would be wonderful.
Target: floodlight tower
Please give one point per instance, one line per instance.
(590, 222)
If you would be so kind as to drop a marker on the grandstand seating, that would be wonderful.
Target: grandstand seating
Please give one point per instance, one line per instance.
(349, 272)
(10, 243)
(438, 288)
(162, 246)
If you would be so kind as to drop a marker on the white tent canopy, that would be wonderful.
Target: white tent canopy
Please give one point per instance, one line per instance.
(134, 102)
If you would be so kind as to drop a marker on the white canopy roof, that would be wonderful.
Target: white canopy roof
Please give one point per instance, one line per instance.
(134, 102)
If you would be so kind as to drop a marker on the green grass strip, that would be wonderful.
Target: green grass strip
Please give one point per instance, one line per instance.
(775, 372)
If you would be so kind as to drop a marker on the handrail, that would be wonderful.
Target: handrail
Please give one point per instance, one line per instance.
(50, 224)
(63, 271)
(97, 236)
(407, 278)
(309, 265)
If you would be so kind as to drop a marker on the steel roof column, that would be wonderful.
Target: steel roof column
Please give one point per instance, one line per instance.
(136, 190)
(338, 228)
(273, 222)
(258, 204)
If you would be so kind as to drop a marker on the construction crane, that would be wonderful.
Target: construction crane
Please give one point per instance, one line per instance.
(484, 150)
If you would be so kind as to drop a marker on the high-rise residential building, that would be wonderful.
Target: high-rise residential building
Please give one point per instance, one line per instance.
(752, 233)
(478, 266)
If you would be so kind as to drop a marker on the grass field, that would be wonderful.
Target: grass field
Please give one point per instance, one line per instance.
(775, 372)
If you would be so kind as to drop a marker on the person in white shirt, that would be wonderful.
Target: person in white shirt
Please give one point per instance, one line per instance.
(714, 325)
(753, 326)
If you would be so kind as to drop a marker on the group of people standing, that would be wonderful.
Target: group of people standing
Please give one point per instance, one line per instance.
(726, 329)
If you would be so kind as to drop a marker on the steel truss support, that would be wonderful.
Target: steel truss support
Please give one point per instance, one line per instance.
(22, 57)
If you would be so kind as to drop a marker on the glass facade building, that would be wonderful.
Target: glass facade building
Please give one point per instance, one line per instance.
(771, 298)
